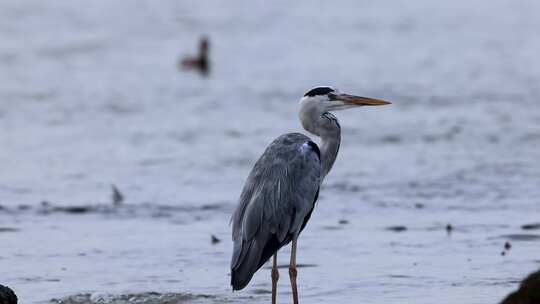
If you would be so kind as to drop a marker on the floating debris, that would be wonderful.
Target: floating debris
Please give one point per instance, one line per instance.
(8, 229)
(449, 228)
(117, 197)
(7, 296)
(521, 237)
(528, 292)
(419, 206)
(214, 239)
(343, 222)
(215, 206)
(47, 207)
(74, 209)
(397, 228)
(532, 226)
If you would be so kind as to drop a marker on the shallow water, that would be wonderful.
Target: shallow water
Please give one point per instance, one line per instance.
(90, 96)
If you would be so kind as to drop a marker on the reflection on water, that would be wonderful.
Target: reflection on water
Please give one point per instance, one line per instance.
(91, 96)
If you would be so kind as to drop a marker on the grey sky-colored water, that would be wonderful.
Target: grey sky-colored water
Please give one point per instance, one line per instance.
(90, 96)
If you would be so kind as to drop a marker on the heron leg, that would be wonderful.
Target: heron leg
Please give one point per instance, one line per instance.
(293, 272)
(275, 278)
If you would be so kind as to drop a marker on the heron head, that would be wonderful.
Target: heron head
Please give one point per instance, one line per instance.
(326, 99)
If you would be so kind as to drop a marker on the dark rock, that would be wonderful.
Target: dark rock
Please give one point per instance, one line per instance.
(7, 296)
(528, 292)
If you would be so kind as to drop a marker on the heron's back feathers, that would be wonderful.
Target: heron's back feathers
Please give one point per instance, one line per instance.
(276, 201)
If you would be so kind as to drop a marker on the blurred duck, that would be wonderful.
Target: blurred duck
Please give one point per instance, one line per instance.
(200, 62)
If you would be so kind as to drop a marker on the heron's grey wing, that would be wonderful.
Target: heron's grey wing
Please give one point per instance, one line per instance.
(277, 199)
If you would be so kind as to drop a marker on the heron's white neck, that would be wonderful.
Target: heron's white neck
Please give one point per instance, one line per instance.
(316, 120)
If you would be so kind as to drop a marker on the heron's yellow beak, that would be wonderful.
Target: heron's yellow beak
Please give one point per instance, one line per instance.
(360, 101)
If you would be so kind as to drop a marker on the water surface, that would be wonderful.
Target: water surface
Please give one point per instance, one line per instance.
(90, 96)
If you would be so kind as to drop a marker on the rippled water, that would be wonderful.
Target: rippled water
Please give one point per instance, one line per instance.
(90, 96)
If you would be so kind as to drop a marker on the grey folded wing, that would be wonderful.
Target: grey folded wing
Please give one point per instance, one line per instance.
(276, 201)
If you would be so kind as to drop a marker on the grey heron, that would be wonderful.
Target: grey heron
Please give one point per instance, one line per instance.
(282, 188)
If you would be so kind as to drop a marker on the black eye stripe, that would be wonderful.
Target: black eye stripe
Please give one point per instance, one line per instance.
(319, 91)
